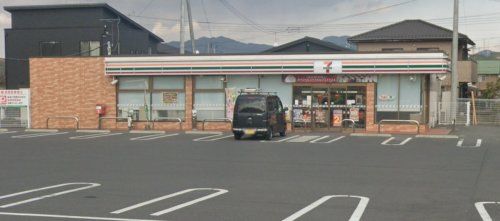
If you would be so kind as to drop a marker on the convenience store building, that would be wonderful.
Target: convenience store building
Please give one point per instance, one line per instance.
(320, 90)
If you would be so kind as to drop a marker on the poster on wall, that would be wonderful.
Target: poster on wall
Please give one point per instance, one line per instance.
(337, 118)
(170, 97)
(354, 114)
(231, 94)
(14, 98)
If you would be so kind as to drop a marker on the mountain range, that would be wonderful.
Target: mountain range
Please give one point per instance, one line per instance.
(224, 45)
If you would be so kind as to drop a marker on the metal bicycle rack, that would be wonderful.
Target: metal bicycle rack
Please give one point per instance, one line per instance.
(215, 120)
(168, 119)
(129, 121)
(77, 120)
(400, 121)
(353, 123)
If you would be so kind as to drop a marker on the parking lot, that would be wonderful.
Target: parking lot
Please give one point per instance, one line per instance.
(305, 176)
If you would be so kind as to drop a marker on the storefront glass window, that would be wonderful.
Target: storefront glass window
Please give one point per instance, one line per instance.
(209, 82)
(168, 98)
(399, 97)
(209, 105)
(165, 99)
(209, 97)
(133, 83)
(168, 82)
(134, 104)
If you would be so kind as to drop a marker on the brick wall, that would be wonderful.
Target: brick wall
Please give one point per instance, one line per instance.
(70, 87)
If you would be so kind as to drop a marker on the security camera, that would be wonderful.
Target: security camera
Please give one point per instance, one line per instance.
(441, 77)
(114, 81)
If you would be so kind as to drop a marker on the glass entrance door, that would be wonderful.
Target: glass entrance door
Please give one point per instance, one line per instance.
(320, 107)
(325, 106)
(337, 105)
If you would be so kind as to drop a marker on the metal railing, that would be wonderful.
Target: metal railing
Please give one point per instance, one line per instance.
(77, 120)
(168, 119)
(400, 121)
(215, 120)
(129, 121)
(348, 120)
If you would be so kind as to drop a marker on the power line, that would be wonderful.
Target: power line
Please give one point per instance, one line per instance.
(146, 7)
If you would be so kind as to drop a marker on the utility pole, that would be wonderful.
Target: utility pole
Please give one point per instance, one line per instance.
(191, 31)
(454, 60)
(181, 47)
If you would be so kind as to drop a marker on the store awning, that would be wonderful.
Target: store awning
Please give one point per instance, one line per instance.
(369, 63)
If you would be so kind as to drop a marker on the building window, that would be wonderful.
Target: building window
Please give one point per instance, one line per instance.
(134, 98)
(90, 48)
(50, 48)
(391, 49)
(399, 97)
(427, 49)
(169, 97)
(151, 98)
(210, 97)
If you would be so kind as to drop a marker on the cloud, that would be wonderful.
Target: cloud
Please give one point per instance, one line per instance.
(171, 33)
(4, 20)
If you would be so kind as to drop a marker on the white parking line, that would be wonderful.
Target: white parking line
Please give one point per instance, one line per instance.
(386, 142)
(213, 137)
(154, 136)
(482, 211)
(8, 132)
(302, 139)
(282, 140)
(73, 217)
(180, 206)
(91, 136)
(324, 137)
(461, 141)
(88, 186)
(356, 215)
(38, 135)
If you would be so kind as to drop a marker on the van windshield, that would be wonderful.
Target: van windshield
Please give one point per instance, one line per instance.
(251, 104)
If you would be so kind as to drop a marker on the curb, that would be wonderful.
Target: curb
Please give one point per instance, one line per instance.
(3, 130)
(369, 135)
(42, 130)
(203, 132)
(437, 136)
(147, 132)
(93, 131)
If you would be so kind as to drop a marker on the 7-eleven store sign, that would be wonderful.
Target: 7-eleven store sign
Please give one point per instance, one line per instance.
(328, 67)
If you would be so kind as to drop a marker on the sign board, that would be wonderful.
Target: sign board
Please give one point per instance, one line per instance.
(231, 95)
(328, 67)
(325, 79)
(170, 97)
(14, 98)
(337, 117)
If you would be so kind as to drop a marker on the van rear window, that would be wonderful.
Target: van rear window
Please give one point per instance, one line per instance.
(251, 104)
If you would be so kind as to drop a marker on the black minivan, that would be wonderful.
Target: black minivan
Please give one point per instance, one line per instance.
(258, 113)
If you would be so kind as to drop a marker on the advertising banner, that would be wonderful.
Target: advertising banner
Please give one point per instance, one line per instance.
(231, 95)
(14, 98)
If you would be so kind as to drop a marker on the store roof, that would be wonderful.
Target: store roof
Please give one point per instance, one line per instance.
(408, 30)
(90, 5)
(283, 48)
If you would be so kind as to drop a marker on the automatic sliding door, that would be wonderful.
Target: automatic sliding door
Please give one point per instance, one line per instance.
(301, 108)
(320, 107)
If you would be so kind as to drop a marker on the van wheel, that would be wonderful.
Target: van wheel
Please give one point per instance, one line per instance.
(237, 136)
(269, 134)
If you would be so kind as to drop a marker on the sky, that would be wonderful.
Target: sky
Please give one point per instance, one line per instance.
(276, 22)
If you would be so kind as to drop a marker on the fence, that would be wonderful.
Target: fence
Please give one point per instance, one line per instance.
(14, 117)
(485, 111)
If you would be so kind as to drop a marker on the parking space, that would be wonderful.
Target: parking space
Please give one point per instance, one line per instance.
(303, 176)
(324, 139)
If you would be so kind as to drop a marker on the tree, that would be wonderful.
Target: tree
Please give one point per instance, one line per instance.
(492, 90)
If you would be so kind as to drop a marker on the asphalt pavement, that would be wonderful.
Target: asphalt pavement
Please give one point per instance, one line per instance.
(212, 177)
